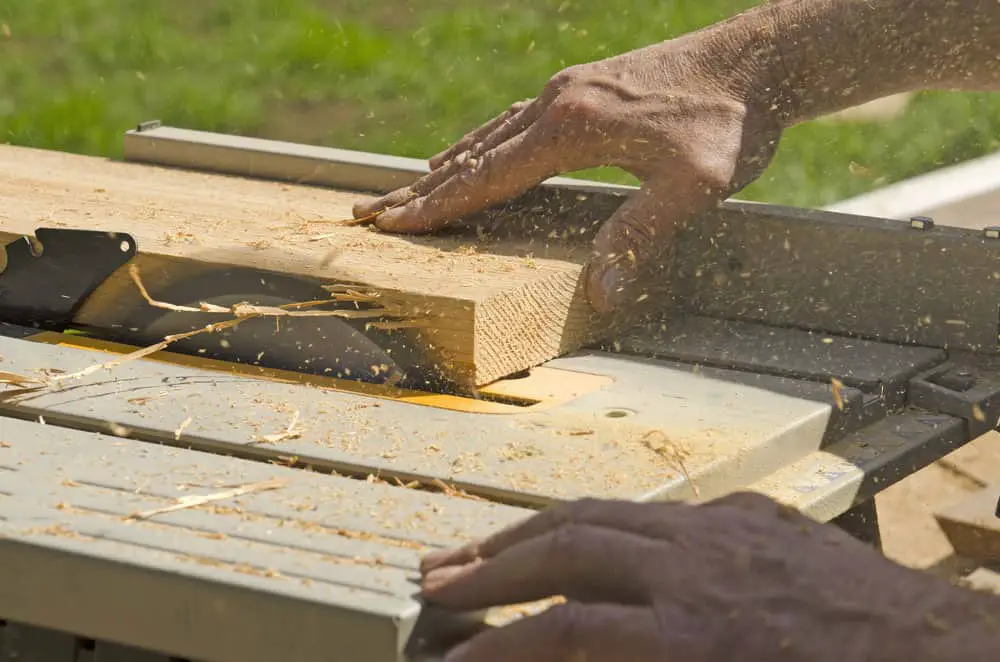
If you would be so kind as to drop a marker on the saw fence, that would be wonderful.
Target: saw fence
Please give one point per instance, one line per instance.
(209, 502)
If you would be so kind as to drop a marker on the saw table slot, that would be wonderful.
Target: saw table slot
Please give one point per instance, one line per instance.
(538, 388)
(317, 568)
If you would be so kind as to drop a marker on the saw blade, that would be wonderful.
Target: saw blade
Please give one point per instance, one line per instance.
(325, 345)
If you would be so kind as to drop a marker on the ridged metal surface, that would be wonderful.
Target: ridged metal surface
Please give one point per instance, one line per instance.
(318, 568)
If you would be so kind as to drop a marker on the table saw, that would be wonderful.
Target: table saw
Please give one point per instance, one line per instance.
(201, 503)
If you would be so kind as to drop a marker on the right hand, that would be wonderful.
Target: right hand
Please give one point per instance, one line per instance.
(741, 577)
(690, 117)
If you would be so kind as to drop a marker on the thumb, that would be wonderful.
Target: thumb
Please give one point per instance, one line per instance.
(632, 247)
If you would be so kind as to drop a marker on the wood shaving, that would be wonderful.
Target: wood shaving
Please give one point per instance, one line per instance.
(658, 443)
(183, 426)
(292, 431)
(246, 310)
(837, 387)
(19, 380)
(193, 501)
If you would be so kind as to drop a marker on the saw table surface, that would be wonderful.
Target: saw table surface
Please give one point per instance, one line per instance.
(335, 558)
(99, 543)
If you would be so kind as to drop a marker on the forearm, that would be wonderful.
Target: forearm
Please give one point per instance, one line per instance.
(820, 56)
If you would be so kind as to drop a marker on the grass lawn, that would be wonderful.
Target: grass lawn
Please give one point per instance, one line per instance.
(397, 76)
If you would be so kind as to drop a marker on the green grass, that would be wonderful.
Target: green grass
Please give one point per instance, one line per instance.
(397, 77)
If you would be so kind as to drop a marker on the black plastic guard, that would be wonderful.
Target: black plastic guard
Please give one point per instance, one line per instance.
(46, 278)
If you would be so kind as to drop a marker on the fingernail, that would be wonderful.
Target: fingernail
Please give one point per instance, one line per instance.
(438, 578)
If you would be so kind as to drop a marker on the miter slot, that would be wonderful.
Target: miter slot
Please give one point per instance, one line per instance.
(875, 368)
(968, 386)
(200, 557)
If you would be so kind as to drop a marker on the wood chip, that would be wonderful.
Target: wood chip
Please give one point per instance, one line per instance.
(290, 432)
(193, 501)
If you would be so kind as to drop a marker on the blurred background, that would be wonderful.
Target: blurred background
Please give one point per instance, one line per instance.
(404, 77)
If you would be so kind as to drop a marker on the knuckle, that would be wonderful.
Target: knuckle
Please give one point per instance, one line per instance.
(576, 105)
(518, 106)
(567, 78)
(583, 510)
(566, 538)
(480, 173)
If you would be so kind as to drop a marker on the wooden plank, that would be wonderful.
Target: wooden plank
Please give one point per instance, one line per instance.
(972, 526)
(488, 308)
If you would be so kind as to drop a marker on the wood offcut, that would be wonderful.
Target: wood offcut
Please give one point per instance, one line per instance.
(487, 308)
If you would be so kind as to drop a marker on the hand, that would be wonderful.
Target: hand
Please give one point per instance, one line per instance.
(689, 118)
(651, 582)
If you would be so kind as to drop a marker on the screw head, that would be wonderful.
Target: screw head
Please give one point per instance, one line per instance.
(922, 223)
(992, 232)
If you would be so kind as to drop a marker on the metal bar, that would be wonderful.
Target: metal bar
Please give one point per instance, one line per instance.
(862, 522)
(852, 471)
(153, 143)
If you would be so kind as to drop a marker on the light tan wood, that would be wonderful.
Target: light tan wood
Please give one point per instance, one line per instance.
(972, 526)
(488, 310)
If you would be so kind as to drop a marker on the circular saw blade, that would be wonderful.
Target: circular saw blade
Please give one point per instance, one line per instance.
(323, 345)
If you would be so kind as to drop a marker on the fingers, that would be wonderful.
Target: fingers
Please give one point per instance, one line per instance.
(513, 115)
(471, 185)
(638, 518)
(581, 562)
(422, 186)
(570, 633)
(632, 244)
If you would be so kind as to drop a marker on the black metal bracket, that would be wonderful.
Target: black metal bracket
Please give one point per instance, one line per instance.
(968, 389)
(45, 279)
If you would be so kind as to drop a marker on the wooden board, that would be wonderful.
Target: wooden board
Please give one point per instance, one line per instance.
(488, 308)
(972, 526)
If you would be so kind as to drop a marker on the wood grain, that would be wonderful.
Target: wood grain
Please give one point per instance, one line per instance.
(488, 308)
